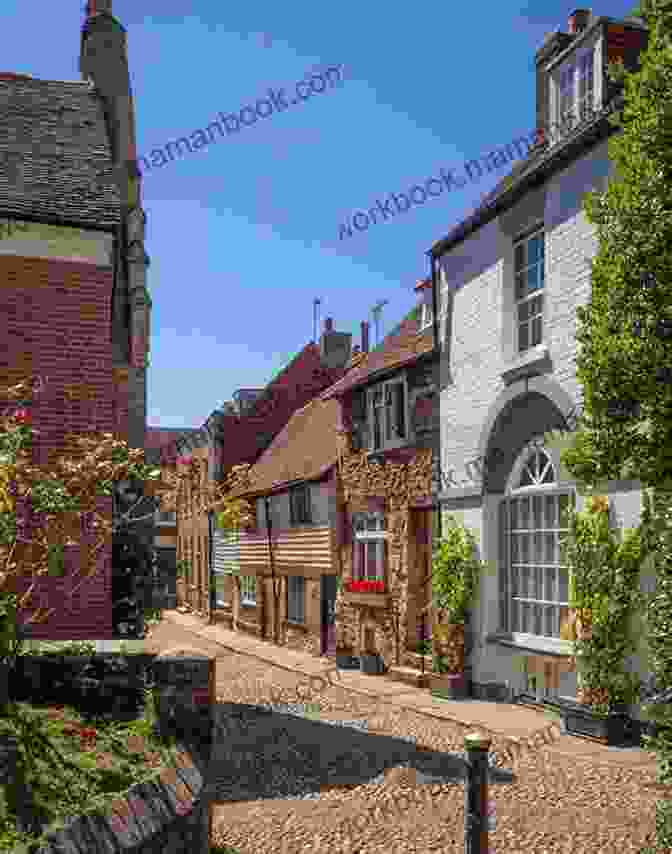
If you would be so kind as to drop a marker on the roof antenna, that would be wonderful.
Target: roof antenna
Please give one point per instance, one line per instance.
(376, 311)
(316, 317)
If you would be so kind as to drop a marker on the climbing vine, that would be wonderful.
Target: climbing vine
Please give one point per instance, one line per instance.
(604, 593)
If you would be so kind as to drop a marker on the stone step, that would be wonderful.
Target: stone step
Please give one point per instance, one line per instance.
(408, 675)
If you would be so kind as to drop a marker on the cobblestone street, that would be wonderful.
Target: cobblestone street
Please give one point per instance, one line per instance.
(566, 796)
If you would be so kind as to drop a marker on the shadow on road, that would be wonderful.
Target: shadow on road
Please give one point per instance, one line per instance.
(261, 753)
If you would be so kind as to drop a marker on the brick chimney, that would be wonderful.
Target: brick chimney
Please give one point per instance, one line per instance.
(578, 21)
(365, 336)
(335, 347)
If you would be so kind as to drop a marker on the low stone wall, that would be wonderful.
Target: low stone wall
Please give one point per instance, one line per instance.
(170, 815)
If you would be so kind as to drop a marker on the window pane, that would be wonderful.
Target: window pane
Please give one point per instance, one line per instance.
(563, 577)
(526, 621)
(520, 286)
(524, 513)
(549, 621)
(523, 337)
(523, 312)
(551, 514)
(549, 587)
(515, 581)
(515, 551)
(534, 249)
(538, 552)
(371, 523)
(513, 507)
(519, 256)
(537, 504)
(538, 583)
(536, 331)
(515, 616)
(550, 553)
(371, 558)
(525, 585)
(400, 410)
(542, 272)
(538, 628)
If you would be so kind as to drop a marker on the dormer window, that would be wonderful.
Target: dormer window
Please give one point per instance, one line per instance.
(575, 89)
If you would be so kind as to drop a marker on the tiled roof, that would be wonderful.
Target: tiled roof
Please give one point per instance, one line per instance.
(158, 437)
(402, 346)
(55, 159)
(305, 449)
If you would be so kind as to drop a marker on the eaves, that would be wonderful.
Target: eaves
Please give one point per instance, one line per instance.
(551, 161)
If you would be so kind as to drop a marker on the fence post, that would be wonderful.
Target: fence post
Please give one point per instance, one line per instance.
(476, 794)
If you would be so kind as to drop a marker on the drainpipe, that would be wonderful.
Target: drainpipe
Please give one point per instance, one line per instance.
(270, 553)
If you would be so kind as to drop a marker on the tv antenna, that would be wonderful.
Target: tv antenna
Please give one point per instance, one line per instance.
(376, 311)
(316, 314)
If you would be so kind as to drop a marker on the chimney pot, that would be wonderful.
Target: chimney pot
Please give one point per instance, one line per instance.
(578, 21)
(365, 336)
(328, 324)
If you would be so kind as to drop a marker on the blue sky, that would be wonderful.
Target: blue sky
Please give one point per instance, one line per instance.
(244, 233)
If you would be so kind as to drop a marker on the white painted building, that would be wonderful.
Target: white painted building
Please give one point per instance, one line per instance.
(507, 285)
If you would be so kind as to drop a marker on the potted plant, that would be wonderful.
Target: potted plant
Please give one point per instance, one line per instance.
(370, 662)
(603, 594)
(455, 574)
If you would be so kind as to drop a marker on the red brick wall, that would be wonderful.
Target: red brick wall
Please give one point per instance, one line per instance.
(56, 322)
(299, 384)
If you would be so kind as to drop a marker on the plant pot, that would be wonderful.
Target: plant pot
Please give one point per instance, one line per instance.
(371, 664)
(449, 686)
(347, 661)
(611, 729)
(448, 642)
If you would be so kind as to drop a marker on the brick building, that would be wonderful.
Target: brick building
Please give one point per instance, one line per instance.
(508, 281)
(388, 407)
(239, 433)
(73, 301)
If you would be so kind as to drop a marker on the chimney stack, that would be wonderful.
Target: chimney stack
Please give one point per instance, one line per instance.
(365, 336)
(335, 347)
(94, 7)
(578, 21)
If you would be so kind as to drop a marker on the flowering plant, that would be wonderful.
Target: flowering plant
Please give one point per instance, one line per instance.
(365, 586)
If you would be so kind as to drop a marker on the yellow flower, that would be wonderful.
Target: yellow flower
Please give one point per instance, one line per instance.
(599, 504)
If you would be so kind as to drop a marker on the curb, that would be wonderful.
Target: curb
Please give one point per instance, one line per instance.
(515, 746)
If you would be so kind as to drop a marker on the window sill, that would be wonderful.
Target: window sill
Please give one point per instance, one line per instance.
(371, 600)
(534, 361)
(533, 643)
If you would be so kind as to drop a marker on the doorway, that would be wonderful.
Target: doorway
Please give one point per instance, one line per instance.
(328, 602)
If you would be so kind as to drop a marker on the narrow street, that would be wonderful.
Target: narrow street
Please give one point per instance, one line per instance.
(568, 796)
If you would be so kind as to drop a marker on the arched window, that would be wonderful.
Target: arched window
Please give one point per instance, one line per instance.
(533, 581)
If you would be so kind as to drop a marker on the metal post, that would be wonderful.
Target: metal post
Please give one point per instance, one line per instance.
(476, 794)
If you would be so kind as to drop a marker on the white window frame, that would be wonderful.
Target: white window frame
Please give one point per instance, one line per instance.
(296, 600)
(529, 577)
(248, 589)
(382, 388)
(529, 297)
(426, 315)
(374, 531)
(559, 129)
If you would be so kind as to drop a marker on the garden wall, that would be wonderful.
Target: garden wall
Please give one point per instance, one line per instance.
(171, 814)
(167, 816)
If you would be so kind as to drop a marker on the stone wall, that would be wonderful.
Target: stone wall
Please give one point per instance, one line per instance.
(170, 815)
